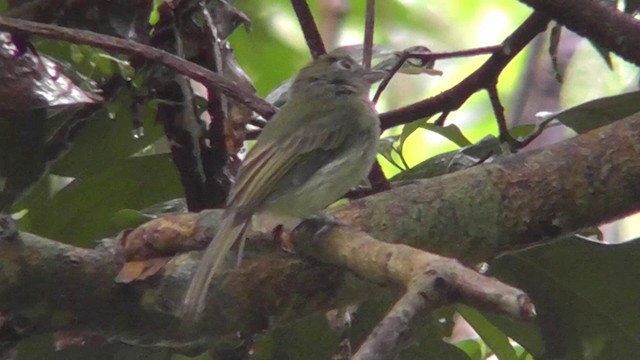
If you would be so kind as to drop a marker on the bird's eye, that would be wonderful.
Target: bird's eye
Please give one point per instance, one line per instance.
(345, 64)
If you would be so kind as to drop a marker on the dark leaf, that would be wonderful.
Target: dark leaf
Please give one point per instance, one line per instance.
(109, 138)
(450, 132)
(29, 81)
(600, 112)
(82, 212)
(521, 131)
(585, 297)
(490, 334)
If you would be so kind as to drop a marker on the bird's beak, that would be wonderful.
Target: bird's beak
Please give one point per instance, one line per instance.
(373, 76)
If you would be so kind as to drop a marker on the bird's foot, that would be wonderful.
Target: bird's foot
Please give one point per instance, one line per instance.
(317, 226)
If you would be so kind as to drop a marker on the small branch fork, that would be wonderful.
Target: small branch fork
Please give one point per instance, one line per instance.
(427, 57)
(505, 136)
(430, 280)
(432, 289)
(498, 110)
(488, 73)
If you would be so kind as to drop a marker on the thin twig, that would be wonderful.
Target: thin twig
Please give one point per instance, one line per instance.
(217, 54)
(309, 28)
(453, 98)
(110, 43)
(534, 135)
(442, 118)
(498, 111)
(427, 57)
(554, 44)
(431, 281)
(377, 178)
(385, 341)
(385, 82)
(505, 135)
(368, 34)
(459, 53)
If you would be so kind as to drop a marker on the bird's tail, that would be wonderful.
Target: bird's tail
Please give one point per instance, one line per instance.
(228, 234)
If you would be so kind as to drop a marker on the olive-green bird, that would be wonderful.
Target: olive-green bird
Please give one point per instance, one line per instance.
(317, 147)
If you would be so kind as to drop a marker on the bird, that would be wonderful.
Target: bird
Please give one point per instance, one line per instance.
(387, 60)
(317, 147)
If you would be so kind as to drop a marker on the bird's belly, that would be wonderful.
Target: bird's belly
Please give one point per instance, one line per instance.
(327, 184)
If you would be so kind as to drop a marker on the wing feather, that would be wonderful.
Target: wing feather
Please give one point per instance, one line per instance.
(268, 163)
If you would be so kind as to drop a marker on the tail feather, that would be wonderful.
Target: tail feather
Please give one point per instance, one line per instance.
(209, 265)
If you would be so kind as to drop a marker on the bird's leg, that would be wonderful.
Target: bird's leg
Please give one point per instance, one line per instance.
(318, 225)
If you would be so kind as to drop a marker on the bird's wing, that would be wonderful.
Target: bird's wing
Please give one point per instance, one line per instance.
(267, 164)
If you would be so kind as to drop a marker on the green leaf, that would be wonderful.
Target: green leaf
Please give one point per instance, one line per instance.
(154, 15)
(475, 349)
(83, 211)
(409, 129)
(128, 218)
(451, 132)
(600, 112)
(42, 347)
(490, 334)
(521, 131)
(585, 296)
(23, 158)
(429, 335)
(203, 356)
(430, 348)
(104, 142)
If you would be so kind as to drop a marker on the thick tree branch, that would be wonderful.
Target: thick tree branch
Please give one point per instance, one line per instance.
(431, 281)
(259, 292)
(408, 267)
(477, 213)
(472, 215)
(597, 21)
